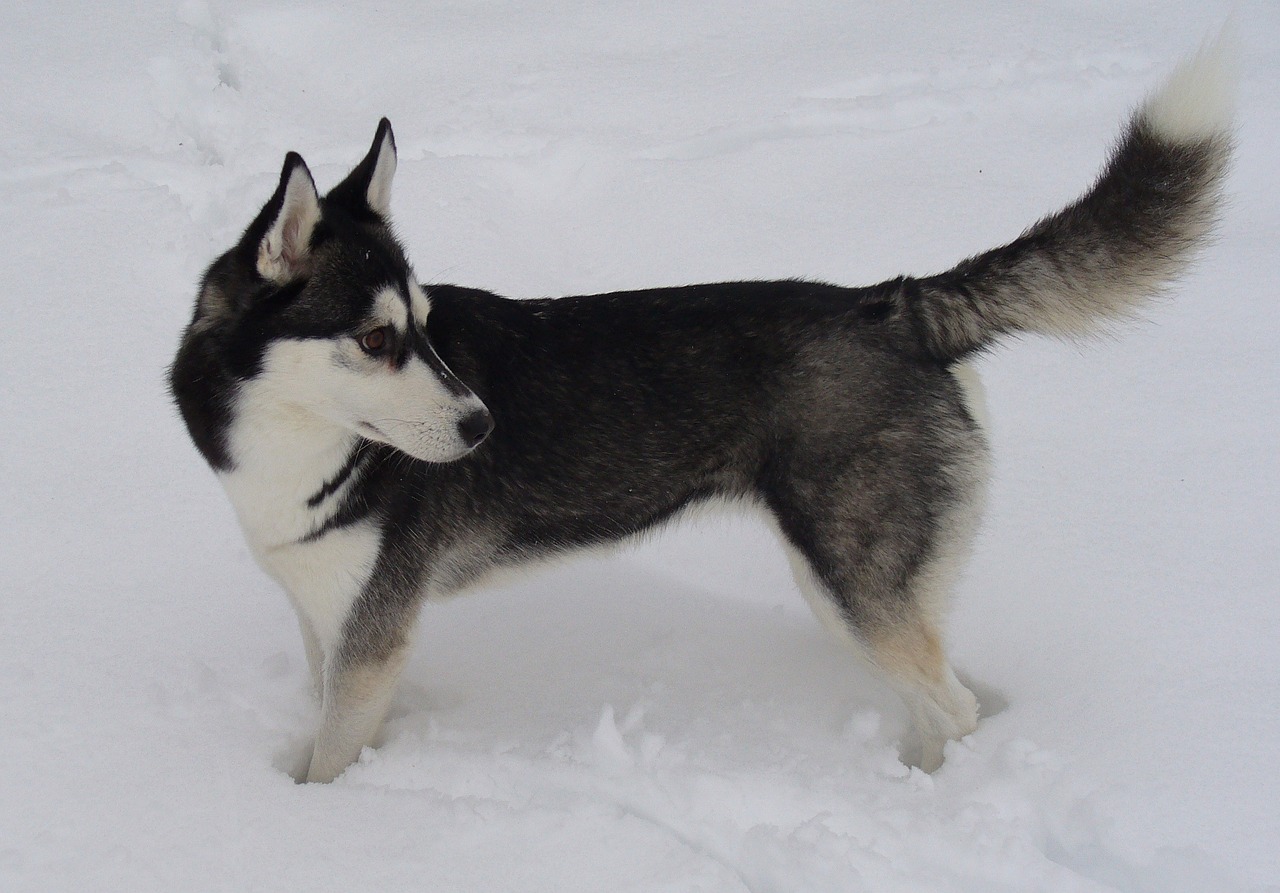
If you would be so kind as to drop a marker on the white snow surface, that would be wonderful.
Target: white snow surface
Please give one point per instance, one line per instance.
(669, 717)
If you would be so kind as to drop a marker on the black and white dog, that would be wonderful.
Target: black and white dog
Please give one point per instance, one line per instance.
(385, 443)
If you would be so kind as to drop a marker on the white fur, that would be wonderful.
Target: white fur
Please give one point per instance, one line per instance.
(388, 306)
(324, 577)
(379, 192)
(353, 706)
(282, 254)
(419, 303)
(408, 408)
(414, 413)
(975, 394)
(283, 455)
(1197, 102)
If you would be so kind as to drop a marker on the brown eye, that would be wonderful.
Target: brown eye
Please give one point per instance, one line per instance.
(375, 342)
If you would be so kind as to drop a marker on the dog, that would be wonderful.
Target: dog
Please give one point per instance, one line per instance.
(385, 443)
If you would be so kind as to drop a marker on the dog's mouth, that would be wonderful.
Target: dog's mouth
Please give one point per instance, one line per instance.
(428, 452)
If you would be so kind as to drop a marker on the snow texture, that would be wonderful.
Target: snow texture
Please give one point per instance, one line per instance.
(668, 718)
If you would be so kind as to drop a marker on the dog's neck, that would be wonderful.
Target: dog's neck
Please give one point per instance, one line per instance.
(291, 469)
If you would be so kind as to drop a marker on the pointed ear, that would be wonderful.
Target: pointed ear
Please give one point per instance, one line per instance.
(368, 186)
(378, 193)
(283, 251)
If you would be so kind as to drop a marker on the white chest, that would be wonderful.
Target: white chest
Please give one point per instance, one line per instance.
(324, 577)
(283, 489)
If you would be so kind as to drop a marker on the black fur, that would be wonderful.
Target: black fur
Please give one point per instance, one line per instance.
(834, 408)
(614, 412)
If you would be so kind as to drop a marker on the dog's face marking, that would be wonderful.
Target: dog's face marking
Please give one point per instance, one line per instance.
(409, 407)
(334, 323)
(393, 307)
(419, 304)
(369, 366)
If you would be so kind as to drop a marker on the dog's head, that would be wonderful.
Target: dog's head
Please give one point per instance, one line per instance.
(318, 309)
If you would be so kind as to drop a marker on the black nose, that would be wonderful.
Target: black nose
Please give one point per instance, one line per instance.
(475, 427)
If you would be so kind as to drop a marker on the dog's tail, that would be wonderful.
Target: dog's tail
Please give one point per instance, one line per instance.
(1118, 245)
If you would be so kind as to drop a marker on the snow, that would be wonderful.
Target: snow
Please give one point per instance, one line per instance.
(670, 717)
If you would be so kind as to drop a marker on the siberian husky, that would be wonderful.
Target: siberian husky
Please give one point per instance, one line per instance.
(385, 443)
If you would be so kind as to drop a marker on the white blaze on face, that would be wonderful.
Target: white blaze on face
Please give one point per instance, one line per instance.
(409, 407)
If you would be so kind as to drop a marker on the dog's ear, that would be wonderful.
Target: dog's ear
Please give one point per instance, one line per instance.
(281, 236)
(368, 186)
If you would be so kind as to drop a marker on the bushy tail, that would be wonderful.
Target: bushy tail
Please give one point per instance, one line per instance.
(1115, 247)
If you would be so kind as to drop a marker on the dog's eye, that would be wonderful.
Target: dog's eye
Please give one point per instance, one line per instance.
(376, 342)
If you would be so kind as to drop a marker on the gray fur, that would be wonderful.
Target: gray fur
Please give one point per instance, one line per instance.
(837, 410)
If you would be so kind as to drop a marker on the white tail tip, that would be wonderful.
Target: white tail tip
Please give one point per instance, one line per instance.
(1197, 102)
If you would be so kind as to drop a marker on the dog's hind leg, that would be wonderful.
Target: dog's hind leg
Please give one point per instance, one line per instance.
(907, 650)
(911, 656)
(875, 550)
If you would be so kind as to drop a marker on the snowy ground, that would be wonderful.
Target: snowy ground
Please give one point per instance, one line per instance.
(671, 718)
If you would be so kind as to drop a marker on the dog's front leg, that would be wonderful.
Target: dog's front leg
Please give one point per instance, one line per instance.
(357, 693)
(360, 671)
(314, 651)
